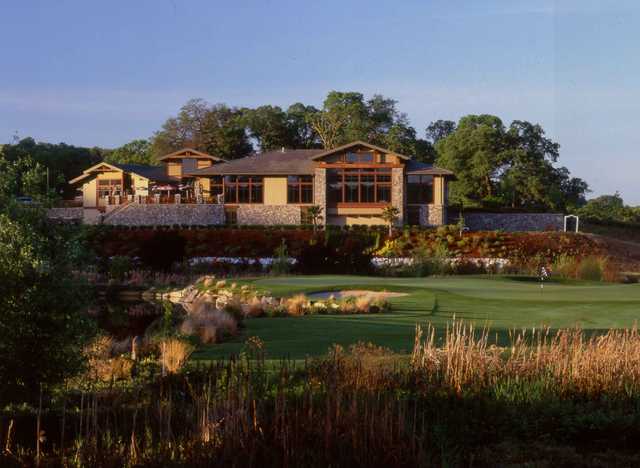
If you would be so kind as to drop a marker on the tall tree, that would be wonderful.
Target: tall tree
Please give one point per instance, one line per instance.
(508, 167)
(134, 152)
(299, 117)
(440, 129)
(475, 153)
(269, 126)
(218, 130)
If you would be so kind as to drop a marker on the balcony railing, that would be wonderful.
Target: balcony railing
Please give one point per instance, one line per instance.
(171, 199)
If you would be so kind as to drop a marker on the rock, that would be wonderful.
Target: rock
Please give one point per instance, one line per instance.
(221, 302)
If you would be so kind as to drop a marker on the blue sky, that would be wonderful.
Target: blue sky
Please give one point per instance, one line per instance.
(103, 73)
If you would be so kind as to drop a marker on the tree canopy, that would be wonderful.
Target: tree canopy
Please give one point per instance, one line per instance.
(42, 322)
(215, 129)
(505, 166)
(64, 162)
(134, 152)
(610, 208)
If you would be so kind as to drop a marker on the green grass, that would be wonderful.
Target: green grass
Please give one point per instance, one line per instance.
(502, 303)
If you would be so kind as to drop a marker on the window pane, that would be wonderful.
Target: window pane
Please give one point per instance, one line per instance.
(307, 194)
(334, 183)
(306, 178)
(351, 189)
(420, 189)
(256, 193)
(351, 158)
(230, 194)
(243, 193)
(383, 194)
(292, 179)
(367, 189)
(366, 157)
(293, 194)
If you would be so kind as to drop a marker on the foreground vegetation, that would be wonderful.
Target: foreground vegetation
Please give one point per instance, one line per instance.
(549, 398)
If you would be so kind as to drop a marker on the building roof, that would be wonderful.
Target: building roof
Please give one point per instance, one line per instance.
(339, 149)
(155, 173)
(283, 162)
(190, 153)
(413, 167)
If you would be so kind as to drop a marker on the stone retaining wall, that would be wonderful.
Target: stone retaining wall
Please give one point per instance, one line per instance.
(269, 214)
(167, 215)
(513, 222)
(65, 214)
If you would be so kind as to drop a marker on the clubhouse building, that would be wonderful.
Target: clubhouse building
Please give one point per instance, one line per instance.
(352, 184)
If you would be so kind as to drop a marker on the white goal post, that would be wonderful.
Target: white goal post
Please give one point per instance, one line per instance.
(577, 218)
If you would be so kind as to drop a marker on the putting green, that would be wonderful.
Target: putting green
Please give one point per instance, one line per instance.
(501, 303)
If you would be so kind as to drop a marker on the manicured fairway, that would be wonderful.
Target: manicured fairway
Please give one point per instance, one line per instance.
(502, 303)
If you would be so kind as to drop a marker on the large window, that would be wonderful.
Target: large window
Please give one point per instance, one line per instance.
(420, 189)
(361, 185)
(359, 157)
(242, 189)
(300, 189)
(109, 187)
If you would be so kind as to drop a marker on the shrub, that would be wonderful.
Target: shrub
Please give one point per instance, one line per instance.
(280, 265)
(174, 353)
(209, 324)
(119, 267)
(591, 269)
(296, 305)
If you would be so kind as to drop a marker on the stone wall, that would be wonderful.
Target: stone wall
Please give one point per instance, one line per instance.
(433, 215)
(269, 214)
(320, 191)
(513, 222)
(65, 214)
(397, 192)
(135, 214)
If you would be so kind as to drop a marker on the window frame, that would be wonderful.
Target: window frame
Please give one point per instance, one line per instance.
(381, 179)
(421, 189)
(231, 184)
(298, 183)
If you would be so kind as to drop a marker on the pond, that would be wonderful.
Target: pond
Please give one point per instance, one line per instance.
(124, 317)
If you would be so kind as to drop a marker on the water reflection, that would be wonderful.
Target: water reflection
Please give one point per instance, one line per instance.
(125, 318)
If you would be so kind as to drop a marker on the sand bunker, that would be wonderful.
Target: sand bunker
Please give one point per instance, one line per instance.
(354, 293)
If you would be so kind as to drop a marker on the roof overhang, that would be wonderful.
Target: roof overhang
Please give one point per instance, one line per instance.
(342, 148)
(190, 153)
(95, 169)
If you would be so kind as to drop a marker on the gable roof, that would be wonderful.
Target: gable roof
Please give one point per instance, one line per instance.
(190, 153)
(413, 167)
(339, 149)
(287, 162)
(89, 171)
(155, 173)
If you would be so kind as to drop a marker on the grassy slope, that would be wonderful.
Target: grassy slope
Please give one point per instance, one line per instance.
(502, 303)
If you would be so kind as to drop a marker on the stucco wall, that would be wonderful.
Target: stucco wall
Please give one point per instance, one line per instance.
(268, 214)
(513, 221)
(275, 190)
(89, 194)
(351, 220)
